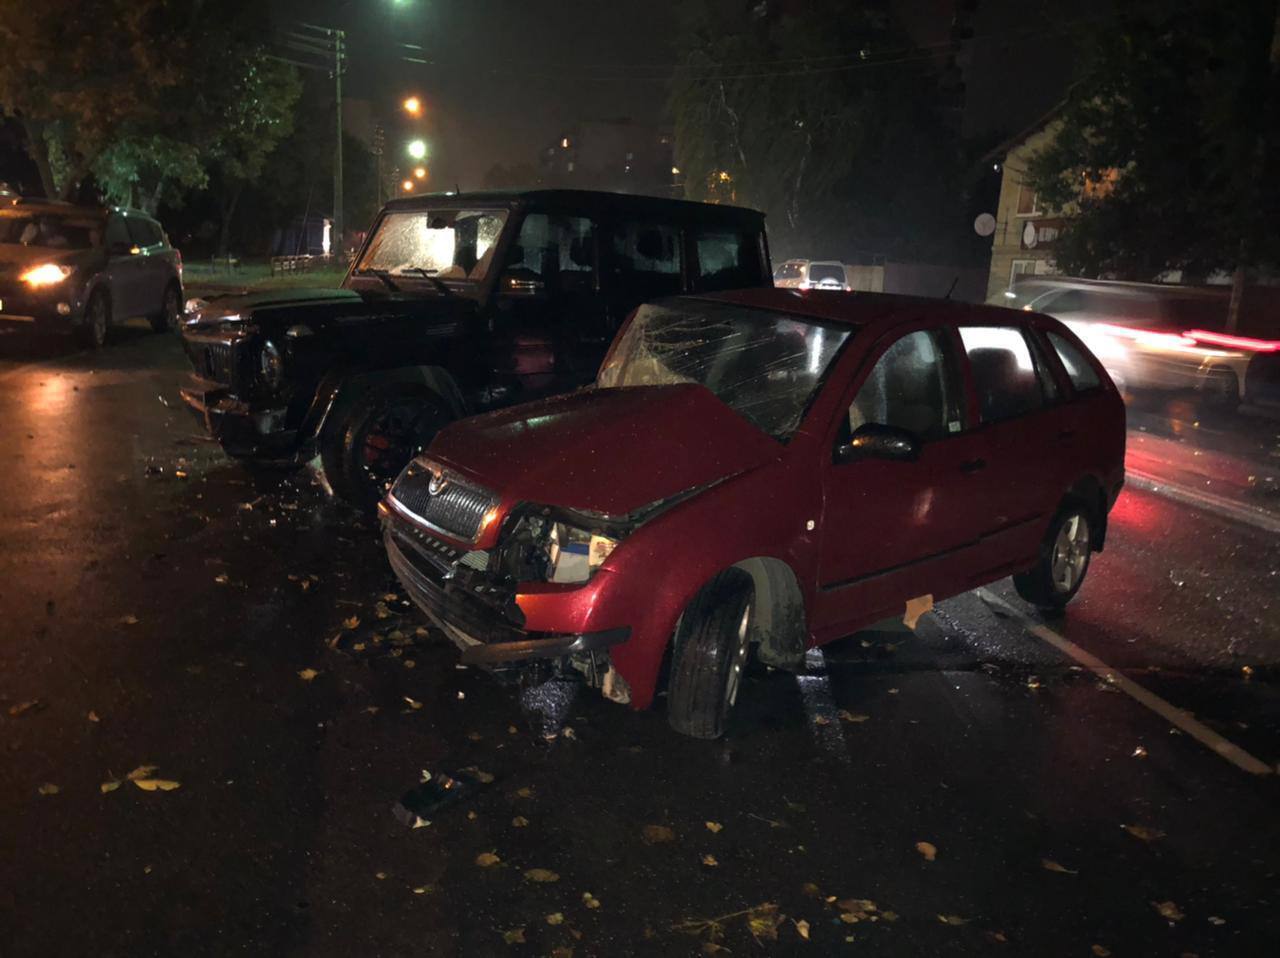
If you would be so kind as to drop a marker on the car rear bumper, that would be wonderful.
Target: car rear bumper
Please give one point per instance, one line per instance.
(484, 620)
(242, 431)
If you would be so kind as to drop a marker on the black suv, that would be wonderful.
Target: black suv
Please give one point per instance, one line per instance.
(457, 303)
(74, 269)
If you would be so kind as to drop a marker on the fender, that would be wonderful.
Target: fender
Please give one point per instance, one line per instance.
(340, 387)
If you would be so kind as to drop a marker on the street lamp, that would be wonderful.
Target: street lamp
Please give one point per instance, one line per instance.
(420, 173)
(417, 149)
(412, 105)
(407, 186)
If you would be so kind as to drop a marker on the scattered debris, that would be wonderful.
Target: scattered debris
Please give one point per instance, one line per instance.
(953, 920)
(713, 827)
(852, 717)
(307, 674)
(1050, 865)
(542, 875)
(1168, 910)
(432, 793)
(22, 708)
(1143, 832)
(928, 850)
(48, 788)
(915, 608)
(657, 834)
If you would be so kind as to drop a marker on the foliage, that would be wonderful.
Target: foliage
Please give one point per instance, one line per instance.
(823, 119)
(1179, 116)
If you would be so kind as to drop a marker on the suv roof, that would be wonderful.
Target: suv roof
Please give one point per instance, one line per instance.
(598, 200)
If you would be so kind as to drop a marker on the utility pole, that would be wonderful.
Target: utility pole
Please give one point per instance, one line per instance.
(379, 140)
(338, 57)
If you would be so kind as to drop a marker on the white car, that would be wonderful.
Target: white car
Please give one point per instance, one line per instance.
(811, 274)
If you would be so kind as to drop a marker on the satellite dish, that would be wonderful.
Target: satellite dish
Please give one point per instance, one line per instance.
(1029, 236)
(985, 224)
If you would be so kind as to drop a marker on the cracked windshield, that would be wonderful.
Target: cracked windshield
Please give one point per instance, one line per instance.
(649, 478)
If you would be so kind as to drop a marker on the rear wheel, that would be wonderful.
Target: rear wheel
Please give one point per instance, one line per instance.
(377, 437)
(92, 331)
(1064, 559)
(710, 656)
(170, 310)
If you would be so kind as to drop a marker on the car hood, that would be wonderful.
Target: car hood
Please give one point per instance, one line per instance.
(322, 308)
(220, 308)
(605, 450)
(16, 256)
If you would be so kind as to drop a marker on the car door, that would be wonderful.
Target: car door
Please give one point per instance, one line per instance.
(123, 268)
(151, 267)
(1024, 425)
(891, 529)
(550, 332)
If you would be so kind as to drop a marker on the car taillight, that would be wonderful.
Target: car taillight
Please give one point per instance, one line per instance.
(1246, 343)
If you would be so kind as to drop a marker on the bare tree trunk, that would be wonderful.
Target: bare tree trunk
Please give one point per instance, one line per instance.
(228, 210)
(39, 150)
(737, 126)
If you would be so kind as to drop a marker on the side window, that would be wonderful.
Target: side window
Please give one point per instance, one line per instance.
(143, 232)
(727, 259)
(559, 250)
(1079, 370)
(117, 232)
(911, 387)
(647, 253)
(1004, 373)
(788, 271)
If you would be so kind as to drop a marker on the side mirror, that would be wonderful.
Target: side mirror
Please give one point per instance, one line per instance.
(521, 282)
(875, 440)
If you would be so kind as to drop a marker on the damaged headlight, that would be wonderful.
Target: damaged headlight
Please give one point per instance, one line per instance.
(542, 547)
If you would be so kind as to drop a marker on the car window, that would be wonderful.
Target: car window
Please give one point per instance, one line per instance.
(1079, 370)
(649, 252)
(727, 259)
(52, 232)
(118, 232)
(142, 232)
(826, 272)
(1004, 373)
(910, 387)
(559, 250)
(447, 244)
(788, 271)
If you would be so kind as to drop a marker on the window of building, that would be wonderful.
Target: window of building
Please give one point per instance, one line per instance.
(1027, 200)
(1021, 267)
(1004, 373)
(911, 387)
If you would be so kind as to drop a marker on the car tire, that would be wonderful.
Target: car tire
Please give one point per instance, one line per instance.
(376, 437)
(170, 310)
(709, 656)
(92, 331)
(1064, 557)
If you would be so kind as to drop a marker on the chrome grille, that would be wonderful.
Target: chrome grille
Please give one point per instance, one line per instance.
(213, 358)
(456, 507)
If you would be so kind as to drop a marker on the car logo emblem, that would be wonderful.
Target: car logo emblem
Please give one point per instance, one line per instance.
(437, 484)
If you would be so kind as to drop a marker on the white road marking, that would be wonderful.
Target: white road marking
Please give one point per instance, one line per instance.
(1177, 717)
(1255, 516)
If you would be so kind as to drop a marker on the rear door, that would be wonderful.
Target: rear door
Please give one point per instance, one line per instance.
(152, 266)
(892, 530)
(124, 268)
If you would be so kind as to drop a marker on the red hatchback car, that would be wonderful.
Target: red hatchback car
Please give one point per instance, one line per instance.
(761, 468)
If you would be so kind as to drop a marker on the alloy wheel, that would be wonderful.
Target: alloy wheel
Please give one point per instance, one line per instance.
(739, 658)
(399, 432)
(1070, 553)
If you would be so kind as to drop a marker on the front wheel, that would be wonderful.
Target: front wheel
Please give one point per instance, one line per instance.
(170, 310)
(710, 656)
(1064, 559)
(377, 437)
(92, 332)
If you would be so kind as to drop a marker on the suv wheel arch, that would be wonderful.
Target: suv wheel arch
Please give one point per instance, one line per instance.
(340, 389)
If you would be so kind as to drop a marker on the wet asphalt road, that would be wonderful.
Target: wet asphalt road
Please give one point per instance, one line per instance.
(157, 605)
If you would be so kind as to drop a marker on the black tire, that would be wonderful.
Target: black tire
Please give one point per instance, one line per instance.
(710, 656)
(376, 436)
(170, 310)
(92, 331)
(1064, 547)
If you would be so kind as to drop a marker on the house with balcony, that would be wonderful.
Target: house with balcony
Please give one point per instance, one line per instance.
(1025, 231)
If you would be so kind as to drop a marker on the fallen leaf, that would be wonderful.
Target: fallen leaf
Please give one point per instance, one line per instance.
(413, 703)
(1139, 752)
(763, 921)
(380, 875)
(48, 788)
(128, 620)
(562, 951)
(381, 611)
(484, 778)
(821, 720)
(928, 850)
(142, 771)
(568, 732)
(307, 674)
(156, 784)
(953, 920)
(1215, 920)
(710, 861)
(1050, 865)
(1168, 910)
(711, 948)
(222, 578)
(351, 623)
(421, 889)
(810, 889)
(915, 608)
(22, 708)
(519, 822)
(93, 716)
(1101, 951)
(109, 786)
(524, 792)
(802, 928)
(514, 937)
(854, 717)
(543, 875)
(1143, 832)
(590, 900)
(657, 834)
(485, 859)
(555, 918)
(714, 827)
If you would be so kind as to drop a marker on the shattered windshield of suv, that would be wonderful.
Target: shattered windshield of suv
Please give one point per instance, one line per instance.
(765, 366)
(444, 244)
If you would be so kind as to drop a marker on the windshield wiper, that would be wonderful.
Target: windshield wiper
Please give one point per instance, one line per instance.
(383, 275)
(439, 283)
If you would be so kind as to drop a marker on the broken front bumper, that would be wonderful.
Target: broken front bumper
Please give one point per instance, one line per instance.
(482, 618)
(243, 432)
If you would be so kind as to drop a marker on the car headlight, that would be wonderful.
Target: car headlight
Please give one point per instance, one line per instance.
(46, 274)
(575, 554)
(271, 365)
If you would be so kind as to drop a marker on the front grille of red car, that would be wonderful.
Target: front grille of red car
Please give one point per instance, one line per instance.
(455, 508)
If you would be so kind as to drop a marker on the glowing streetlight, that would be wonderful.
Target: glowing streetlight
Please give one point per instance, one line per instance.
(417, 149)
(407, 186)
(412, 105)
(420, 173)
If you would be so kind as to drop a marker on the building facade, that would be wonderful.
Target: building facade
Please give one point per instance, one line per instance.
(1025, 232)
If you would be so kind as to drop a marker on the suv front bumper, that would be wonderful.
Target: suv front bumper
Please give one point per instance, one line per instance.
(242, 431)
(482, 618)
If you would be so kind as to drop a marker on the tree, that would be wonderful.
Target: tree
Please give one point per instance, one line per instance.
(824, 117)
(1167, 156)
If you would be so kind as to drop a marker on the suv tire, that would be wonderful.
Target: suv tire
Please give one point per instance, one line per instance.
(1064, 559)
(170, 310)
(376, 436)
(92, 332)
(710, 656)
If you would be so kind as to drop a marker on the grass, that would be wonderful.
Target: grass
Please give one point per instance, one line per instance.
(256, 275)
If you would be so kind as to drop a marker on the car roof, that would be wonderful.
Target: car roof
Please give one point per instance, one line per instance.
(599, 200)
(881, 310)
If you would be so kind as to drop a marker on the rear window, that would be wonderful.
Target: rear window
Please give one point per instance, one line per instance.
(1079, 370)
(51, 231)
(143, 232)
(788, 271)
(826, 272)
(1004, 373)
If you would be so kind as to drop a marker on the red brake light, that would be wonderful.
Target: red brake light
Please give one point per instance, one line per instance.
(1247, 343)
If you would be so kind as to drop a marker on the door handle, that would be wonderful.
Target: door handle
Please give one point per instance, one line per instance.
(970, 466)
